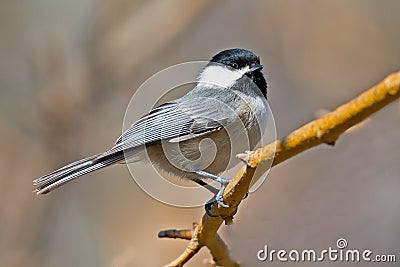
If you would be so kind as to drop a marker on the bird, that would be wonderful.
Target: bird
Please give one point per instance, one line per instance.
(228, 103)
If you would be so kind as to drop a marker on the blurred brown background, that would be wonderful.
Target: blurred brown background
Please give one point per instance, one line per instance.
(69, 68)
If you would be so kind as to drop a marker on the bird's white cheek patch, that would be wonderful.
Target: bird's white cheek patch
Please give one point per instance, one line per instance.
(221, 75)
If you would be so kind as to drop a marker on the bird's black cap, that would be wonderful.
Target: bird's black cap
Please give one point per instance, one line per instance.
(239, 58)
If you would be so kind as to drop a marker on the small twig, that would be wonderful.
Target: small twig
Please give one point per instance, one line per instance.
(172, 233)
(323, 130)
(182, 234)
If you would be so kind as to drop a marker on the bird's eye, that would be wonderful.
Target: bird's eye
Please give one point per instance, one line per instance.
(234, 65)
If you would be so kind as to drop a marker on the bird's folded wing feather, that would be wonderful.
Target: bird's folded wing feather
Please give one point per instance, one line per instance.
(173, 121)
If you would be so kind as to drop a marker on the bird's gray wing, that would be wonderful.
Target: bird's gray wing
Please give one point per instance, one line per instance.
(174, 121)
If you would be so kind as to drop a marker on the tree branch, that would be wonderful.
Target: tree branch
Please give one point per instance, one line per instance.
(326, 129)
(329, 127)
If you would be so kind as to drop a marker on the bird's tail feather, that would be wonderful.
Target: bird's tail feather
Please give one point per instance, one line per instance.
(71, 171)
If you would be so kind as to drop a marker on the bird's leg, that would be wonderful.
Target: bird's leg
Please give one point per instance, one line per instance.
(210, 188)
(219, 197)
(207, 208)
(222, 181)
(213, 177)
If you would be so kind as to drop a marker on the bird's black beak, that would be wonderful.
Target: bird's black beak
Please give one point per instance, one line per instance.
(255, 67)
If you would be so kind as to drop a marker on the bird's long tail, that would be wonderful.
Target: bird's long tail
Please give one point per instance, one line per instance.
(72, 171)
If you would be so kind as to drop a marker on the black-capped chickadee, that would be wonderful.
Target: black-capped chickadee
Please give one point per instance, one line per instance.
(226, 106)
